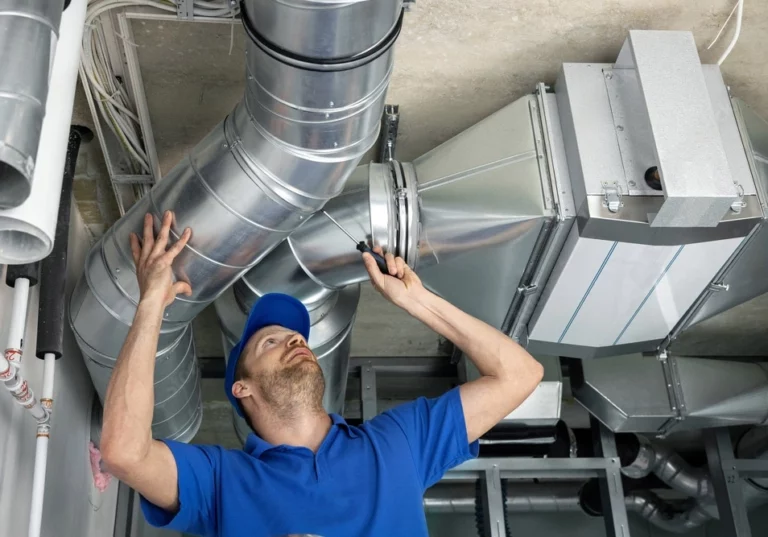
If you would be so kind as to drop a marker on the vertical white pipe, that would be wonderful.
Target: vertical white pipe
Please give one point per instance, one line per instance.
(38, 486)
(34, 221)
(41, 449)
(18, 321)
(48, 369)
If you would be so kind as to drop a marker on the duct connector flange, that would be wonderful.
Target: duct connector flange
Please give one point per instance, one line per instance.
(379, 205)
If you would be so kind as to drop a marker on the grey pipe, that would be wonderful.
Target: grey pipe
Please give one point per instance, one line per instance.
(656, 511)
(670, 468)
(287, 148)
(28, 34)
(521, 498)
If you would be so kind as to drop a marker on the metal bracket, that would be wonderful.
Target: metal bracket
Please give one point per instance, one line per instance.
(185, 9)
(612, 197)
(739, 204)
(674, 389)
(388, 139)
(718, 286)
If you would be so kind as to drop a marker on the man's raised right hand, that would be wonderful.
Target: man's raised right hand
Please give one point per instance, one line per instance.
(154, 259)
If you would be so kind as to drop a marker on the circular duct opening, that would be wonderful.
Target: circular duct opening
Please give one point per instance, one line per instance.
(21, 243)
(15, 188)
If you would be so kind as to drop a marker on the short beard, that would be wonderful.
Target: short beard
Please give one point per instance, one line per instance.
(293, 389)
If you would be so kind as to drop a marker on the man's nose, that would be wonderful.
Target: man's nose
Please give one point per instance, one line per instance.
(297, 340)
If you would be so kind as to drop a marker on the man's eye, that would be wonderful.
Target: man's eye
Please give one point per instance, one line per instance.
(269, 341)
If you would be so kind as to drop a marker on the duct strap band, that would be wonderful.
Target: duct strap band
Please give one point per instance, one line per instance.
(315, 64)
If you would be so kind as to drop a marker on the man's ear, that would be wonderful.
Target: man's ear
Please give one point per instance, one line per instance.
(240, 389)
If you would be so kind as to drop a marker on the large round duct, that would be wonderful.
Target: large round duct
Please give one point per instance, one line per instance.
(335, 29)
(332, 314)
(28, 34)
(287, 148)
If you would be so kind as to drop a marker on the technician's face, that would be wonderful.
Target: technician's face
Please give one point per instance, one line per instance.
(275, 348)
(281, 371)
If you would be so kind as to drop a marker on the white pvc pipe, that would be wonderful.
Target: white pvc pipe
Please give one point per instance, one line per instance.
(48, 369)
(27, 231)
(41, 450)
(38, 486)
(18, 322)
(736, 33)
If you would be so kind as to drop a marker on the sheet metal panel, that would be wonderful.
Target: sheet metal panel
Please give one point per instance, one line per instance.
(608, 293)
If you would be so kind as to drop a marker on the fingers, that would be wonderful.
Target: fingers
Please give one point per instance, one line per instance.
(400, 263)
(391, 264)
(178, 246)
(181, 288)
(162, 238)
(372, 267)
(149, 237)
(135, 249)
(395, 265)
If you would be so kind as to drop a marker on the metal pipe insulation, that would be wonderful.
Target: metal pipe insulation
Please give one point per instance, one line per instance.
(331, 314)
(287, 148)
(28, 34)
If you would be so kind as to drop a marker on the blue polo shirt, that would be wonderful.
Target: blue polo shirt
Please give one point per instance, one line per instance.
(365, 481)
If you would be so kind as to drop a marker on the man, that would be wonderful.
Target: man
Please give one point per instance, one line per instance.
(303, 471)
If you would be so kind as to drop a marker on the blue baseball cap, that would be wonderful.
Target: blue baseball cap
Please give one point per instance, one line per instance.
(270, 310)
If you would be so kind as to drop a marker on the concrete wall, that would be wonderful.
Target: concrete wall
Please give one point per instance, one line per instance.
(73, 507)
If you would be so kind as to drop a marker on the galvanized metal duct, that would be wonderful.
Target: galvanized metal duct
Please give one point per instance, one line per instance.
(331, 313)
(642, 394)
(476, 204)
(288, 147)
(28, 34)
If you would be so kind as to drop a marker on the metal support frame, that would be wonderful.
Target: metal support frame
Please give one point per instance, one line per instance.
(611, 489)
(368, 391)
(726, 481)
(492, 502)
(388, 139)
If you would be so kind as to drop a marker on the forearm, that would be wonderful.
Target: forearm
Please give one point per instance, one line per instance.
(493, 353)
(129, 403)
(509, 373)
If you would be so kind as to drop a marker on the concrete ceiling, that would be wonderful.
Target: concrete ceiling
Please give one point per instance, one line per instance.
(456, 63)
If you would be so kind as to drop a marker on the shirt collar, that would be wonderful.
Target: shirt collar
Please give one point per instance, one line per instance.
(256, 446)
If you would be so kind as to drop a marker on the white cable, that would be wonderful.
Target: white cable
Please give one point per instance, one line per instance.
(111, 99)
(722, 27)
(736, 33)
